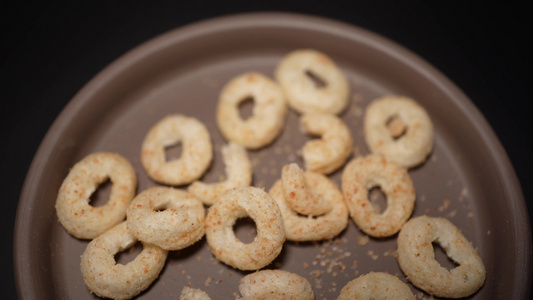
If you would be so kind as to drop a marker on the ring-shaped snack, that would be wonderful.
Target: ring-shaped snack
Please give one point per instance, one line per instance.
(108, 279)
(196, 153)
(73, 207)
(268, 115)
(364, 173)
(169, 218)
(275, 284)
(188, 293)
(416, 257)
(376, 285)
(262, 209)
(238, 173)
(322, 227)
(298, 196)
(312, 82)
(409, 145)
(330, 152)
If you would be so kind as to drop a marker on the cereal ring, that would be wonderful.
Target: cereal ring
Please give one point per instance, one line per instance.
(239, 203)
(298, 73)
(196, 153)
(416, 258)
(376, 285)
(193, 294)
(238, 171)
(73, 209)
(298, 195)
(304, 228)
(275, 284)
(169, 218)
(269, 110)
(329, 153)
(106, 278)
(400, 129)
(364, 173)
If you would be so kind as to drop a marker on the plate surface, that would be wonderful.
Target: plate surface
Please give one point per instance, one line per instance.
(467, 178)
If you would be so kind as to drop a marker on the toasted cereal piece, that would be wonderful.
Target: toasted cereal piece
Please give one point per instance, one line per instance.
(269, 112)
(238, 173)
(108, 279)
(188, 293)
(312, 82)
(416, 258)
(169, 218)
(364, 173)
(376, 285)
(330, 152)
(196, 155)
(300, 227)
(400, 129)
(239, 203)
(73, 207)
(275, 284)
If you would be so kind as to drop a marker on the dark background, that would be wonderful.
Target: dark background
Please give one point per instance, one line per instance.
(50, 50)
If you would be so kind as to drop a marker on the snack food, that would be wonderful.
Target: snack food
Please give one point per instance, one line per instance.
(298, 74)
(73, 207)
(321, 227)
(188, 293)
(239, 203)
(238, 173)
(275, 284)
(416, 258)
(298, 194)
(169, 218)
(364, 173)
(196, 154)
(104, 277)
(376, 285)
(399, 128)
(268, 116)
(330, 152)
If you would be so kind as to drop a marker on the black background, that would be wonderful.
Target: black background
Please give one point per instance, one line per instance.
(50, 50)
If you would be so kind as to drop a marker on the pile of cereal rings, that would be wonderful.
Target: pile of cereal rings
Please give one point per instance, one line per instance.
(303, 205)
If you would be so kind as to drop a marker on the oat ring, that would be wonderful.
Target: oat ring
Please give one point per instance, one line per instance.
(108, 279)
(307, 228)
(268, 116)
(73, 209)
(238, 173)
(275, 284)
(400, 129)
(376, 285)
(364, 173)
(196, 155)
(239, 203)
(169, 218)
(330, 152)
(297, 73)
(416, 258)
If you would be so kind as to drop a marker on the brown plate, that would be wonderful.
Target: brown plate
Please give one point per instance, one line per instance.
(467, 178)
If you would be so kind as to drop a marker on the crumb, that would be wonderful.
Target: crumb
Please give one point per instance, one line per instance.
(452, 213)
(306, 266)
(363, 240)
(470, 214)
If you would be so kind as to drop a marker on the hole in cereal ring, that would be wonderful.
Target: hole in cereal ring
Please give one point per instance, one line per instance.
(129, 254)
(317, 80)
(101, 194)
(245, 230)
(246, 108)
(173, 151)
(377, 199)
(397, 128)
(442, 258)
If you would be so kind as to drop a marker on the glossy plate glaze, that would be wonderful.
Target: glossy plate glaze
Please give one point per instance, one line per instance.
(467, 178)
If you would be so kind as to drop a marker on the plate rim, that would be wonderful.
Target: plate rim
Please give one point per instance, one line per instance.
(272, 19)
